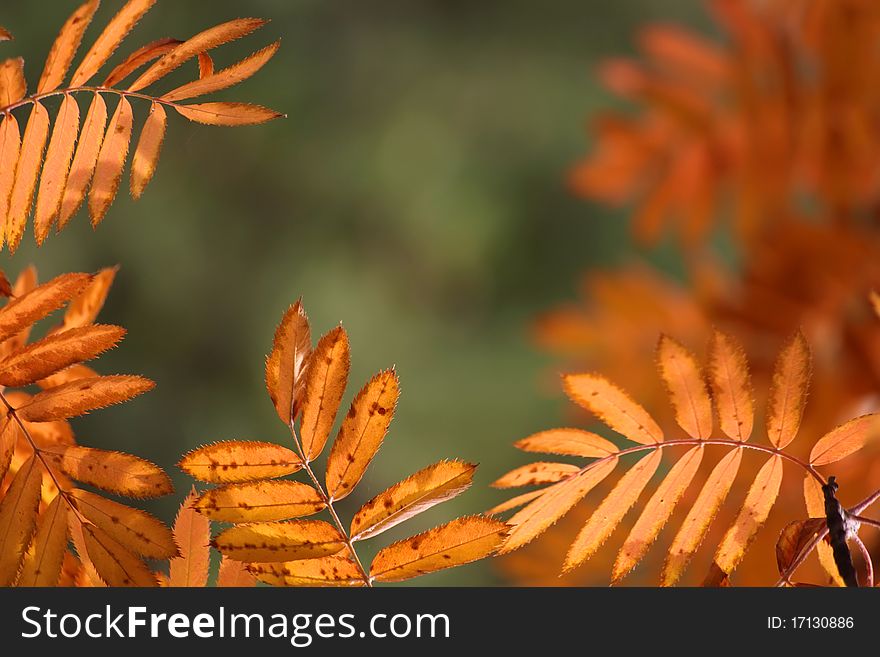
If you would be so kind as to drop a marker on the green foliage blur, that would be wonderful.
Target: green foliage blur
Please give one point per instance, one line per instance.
(416, 193)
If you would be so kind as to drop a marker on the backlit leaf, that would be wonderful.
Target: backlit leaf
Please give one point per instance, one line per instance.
(65, 46)
(286, 364)
(788, 391)
(32, 306)
(325, 381)
(260, 501)
(568, 442)
(613, 406)
(18, 518)
(227, 114)
(111, 160)
(361, 433)
(146, 155)
(417, 493)
(42, 565)
(116, 565)
(846, 439)
(115, 472)
(29, 160)
(323, 571)
(687, 389)
(280, 541)
(456, 543)
(85, 159)
(192, 533)
(56, 167)
(732, 387)
(239, 460)
(82, 395)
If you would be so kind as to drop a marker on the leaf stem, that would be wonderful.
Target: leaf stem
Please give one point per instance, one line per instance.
(29, 100)
(368, 581)
(711, 441)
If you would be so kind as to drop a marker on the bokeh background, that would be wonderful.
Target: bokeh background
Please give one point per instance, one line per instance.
(415, 192)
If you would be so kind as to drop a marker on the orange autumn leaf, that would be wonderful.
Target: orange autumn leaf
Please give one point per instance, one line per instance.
(279, 541)
(18, 518)
(846, 439)
(234, 574)
(287, 364)
(788, 392)
(115, 472)
(536, 473)
(259, 501)
(417, 493)
(239, 460)
(83, 395)
(613, 406)
(687, 390)
(567, 442)
(115, 565)
(731, 387)
(43, 563)
(361, 433)
(192, 533)
(457, 542)
(326, 378)
(322, 571)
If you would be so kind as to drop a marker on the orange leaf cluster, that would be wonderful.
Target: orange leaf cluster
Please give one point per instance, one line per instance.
(271, 532)
(699, 418)
(41, 510)
(51, 169)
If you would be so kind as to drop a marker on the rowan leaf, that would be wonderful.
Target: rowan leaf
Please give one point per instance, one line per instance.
(260, 501)
(613, 406)
(280, 541)
(192, 533)
(361, 433)
(687, 389)
(146, 155)
(325, 379)
(846, 439)
(224, 78)
(233, 461)
(234, 574)
(8, 438)
(456, 543)
(107, 42)
(206, 40)
(699, 517)
(42, 565)
(29, 307)
(227, 114)
(556, 500)
(323, 571)
(65, 46)
(115, 472)
(788, 391)
(731, 386)
(18, 518)
(85, 159)
(26, 172)
(111, 160)
(568, 442)
(115, 565)
(67, 375)
(419, 492)
(759, 500)
(13, 85)
(136, 530)
(10, 144)
(535, 474)
(55, 352)
(611, 511)
(286, 365)
(83, 395)
(56, 167)
(657, 511)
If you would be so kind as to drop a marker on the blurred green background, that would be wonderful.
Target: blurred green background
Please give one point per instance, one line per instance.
(415, 192)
